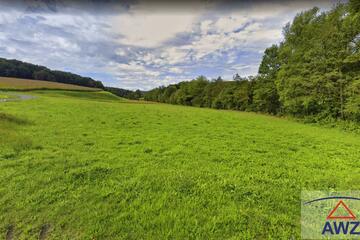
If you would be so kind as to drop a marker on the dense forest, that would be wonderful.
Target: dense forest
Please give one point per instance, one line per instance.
(18, 69)
(314, 72)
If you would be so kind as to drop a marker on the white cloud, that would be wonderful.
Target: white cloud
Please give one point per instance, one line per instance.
(175, 70)
(10, 50)
(174, 55)
(120, 52)
(143, 27)
(133, 69)
(54, 42)
(9, 17)
(205, 26)
(230, 23)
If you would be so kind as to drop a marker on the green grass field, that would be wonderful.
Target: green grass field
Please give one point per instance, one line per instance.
(79, 165)
(4, 96)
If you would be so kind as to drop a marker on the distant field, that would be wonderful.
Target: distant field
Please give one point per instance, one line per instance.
(26, 84)
(84, 165)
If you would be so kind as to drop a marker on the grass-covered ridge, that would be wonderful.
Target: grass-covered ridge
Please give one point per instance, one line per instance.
(12, 68)
(77, 168)
(7, 83)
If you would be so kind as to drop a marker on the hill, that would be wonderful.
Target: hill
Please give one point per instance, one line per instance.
(73, 167)
(7, 83)
(19, 69)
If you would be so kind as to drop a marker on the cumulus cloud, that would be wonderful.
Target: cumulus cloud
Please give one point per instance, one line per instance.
(145, 26)
(176, 70)
(132, 68)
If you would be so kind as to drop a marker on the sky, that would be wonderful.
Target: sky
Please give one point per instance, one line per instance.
(144, 44)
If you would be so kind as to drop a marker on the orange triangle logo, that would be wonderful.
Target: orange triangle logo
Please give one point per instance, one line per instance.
(347, 209)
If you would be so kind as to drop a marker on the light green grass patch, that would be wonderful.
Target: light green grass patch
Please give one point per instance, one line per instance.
(4, 96)
(94, 96)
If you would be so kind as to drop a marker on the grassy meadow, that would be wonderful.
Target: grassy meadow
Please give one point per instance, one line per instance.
(89, 165)
(27, 84)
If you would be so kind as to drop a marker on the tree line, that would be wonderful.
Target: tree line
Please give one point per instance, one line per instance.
(19, 69)
(134, 95)
(314, 72)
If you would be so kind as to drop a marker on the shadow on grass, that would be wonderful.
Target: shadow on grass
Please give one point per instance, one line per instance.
(13, 119)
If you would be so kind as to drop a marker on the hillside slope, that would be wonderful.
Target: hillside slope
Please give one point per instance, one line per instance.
(18, 69)
(27, 84)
